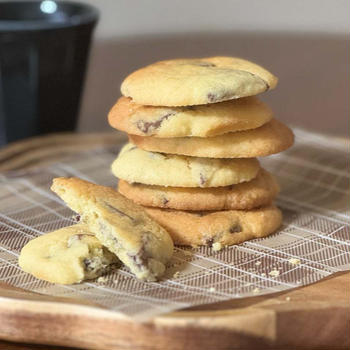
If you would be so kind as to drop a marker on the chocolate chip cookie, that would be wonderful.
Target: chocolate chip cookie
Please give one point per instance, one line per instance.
(120, 225)
(66, 256)
(246, 195)
(200, 121)
(221, 228)
(188, 82)
(136, 165)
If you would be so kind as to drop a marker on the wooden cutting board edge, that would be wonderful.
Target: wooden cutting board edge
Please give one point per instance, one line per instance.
(301, 317)
(314, 316)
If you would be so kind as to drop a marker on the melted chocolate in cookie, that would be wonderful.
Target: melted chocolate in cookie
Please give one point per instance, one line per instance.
(87, 264)
(212, 97)
(140, 258)
(209, 242)
(235, 228)
(147, 127)
(202, 179)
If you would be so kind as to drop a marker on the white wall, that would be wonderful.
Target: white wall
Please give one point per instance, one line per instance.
(122, 18)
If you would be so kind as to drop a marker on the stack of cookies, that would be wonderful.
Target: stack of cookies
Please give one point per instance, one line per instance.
(195, 128)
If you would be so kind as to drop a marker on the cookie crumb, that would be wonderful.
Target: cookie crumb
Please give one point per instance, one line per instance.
(274, 273)
(258, 263)
(256, 290)
(102, 279)
(212, 289)
(294, 261)
(263, 274)
(217, 246)
(176, 274)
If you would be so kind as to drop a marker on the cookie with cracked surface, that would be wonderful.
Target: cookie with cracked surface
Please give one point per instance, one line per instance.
(196, 81)
(69, 255)
(246, 195)
(221, 228)
(270, 138)
(200, 121)
(136, 165)
(120, 225)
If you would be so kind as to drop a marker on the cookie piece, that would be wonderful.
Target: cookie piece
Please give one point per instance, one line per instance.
(270, 138)
(136, 165)
(196, 81)
(217, 227)
(246, 195)
(201, 121)
(120, 225)
(66, 256)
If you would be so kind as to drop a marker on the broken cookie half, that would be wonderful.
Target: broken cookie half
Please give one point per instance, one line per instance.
(69, 255)
(120, 225)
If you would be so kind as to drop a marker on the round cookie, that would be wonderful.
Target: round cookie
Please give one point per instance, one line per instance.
(66, 256)
(188, 82)
(201, 121)
(270, 138)
(120, 225)
(218, 228)
(246, 195)
(136, 165)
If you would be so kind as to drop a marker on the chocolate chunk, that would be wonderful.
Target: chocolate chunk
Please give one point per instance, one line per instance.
(219, 96)
(115, 210)
(140, 258)
(235, 228)
(77, 218)
(202, 179)
(267, 85)
(212, 97)
(256, 76)
(147, 127)
(146, 238)
(165, 201)
(87, 264)
(209, 242)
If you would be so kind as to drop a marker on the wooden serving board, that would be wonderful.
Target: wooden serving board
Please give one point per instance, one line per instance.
(312, 317)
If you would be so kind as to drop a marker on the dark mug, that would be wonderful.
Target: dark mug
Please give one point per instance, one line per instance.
(44, 46)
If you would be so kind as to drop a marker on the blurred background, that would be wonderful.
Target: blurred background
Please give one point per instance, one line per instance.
(304, 43)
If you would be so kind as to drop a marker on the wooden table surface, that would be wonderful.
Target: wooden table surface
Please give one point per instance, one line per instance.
(312, 317)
